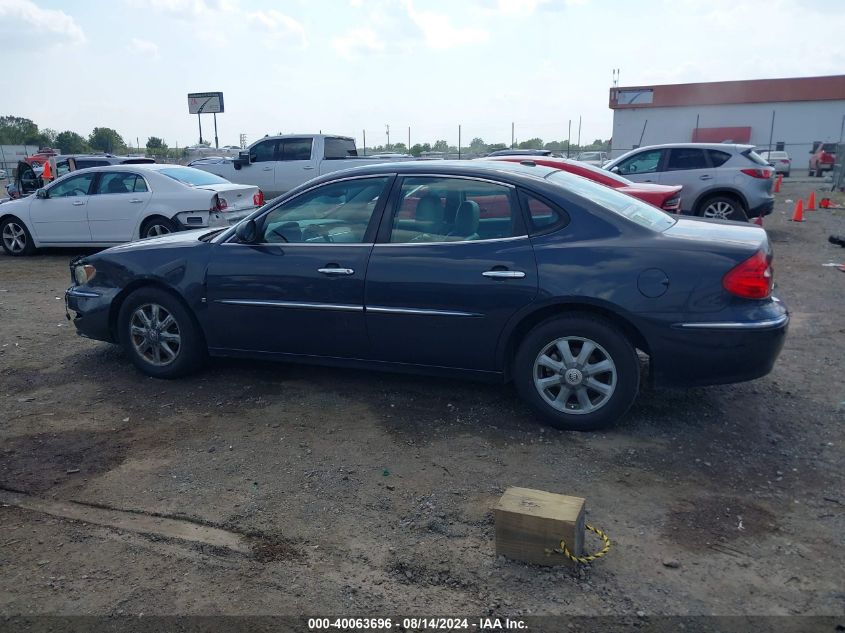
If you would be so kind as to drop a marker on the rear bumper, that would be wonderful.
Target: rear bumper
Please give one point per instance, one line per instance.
(718, 352)
(764, 208)
(190, 220)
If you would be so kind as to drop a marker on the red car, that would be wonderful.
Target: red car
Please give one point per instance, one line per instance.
(822, 158)
(666, 197)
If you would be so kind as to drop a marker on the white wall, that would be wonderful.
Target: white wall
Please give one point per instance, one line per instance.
(11, 154)
(797, 123)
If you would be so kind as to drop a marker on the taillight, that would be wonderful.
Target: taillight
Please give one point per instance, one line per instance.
(828, 158)
(672, 204)
(258, 199)
(758, 173)
(218, 203)
(751, 279)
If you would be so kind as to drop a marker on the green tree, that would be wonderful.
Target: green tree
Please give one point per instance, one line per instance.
(71, 143)
(15, 130)
(555, 146)
(418, 149)
(532, 143)
(154, 142)
(478, 145)
(399, 148)
(496, 146)
(441, 146)
(105, 139)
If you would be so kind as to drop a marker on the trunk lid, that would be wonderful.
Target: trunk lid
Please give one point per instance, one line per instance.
(237, 197)
(749, 236)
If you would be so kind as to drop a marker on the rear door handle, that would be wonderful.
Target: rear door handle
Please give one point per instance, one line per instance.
(504, 274)
(334, 270)
(705, 177)
(135, 201)
(78, 203)
(309, 167)
(268, 169)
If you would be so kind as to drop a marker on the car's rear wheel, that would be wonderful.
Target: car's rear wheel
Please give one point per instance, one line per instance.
(819, 171)
(157, 226)
(579, 371)
(16, 238)
(159, 334)
(723, 208)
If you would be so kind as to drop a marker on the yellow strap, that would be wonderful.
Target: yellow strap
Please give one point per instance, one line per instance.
(584, 560)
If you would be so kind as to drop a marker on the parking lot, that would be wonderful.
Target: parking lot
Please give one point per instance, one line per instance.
(268, 488)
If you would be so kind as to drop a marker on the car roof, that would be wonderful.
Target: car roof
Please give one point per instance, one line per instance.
(474, 168)
(738, 147)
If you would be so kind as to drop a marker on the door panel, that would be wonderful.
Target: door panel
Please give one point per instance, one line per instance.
(296, 163)
(688, 167)
(262, 165)
(113, 211)
(642, 166)
(63, 217)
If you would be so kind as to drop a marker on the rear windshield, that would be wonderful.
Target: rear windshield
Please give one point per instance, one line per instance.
(830, 148)
(620, 203)
(754, 157)
(192, 177)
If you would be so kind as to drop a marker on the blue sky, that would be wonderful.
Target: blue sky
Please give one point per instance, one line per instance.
(343, 66)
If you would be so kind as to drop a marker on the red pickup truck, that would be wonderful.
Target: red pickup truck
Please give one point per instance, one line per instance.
(822, 158)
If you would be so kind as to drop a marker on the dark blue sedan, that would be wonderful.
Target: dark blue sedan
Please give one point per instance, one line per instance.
(493, 270)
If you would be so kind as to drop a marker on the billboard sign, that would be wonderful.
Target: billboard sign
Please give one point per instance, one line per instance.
(205, 102)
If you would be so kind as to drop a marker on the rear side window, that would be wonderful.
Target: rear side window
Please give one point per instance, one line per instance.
(120, 182)
(681, 158)
(295, 149)
(82, 164)
(543, 215)
(718, 157)
(340, 148)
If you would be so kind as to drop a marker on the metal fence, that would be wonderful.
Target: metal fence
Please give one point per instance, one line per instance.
(838, 183)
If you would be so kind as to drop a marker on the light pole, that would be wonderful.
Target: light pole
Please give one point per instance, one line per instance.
(387, 128)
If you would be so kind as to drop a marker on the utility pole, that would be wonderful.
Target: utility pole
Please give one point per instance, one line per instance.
(365, 142)
(772, 131)
(579, 133)
(387, 128)
(459, 141)
(512, 137)
(569, 138)
(409, 139)
(216, 144)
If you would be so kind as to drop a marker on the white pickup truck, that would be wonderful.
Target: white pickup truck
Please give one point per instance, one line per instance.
(276, 164)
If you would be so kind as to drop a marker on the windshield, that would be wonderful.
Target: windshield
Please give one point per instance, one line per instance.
(620, 203)
(192, 177)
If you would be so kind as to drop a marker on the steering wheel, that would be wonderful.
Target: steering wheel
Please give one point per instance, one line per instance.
(632, 168)
(80, 192)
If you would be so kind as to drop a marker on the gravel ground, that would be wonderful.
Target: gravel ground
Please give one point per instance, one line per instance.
(257, 488)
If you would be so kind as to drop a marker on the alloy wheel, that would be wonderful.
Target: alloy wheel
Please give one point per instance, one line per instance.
(155, 230)
(155, 334)
(575, 375)
(14, 237)
(719, 209)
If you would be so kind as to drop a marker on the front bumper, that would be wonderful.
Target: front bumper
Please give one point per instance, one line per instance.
(90, 312)
(695, 353)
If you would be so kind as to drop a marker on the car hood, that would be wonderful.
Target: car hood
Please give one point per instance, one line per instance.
(721, 231)
(173, 240)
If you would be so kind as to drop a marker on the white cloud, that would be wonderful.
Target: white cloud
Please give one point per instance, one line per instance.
(278, 23)
(358, 40)
(518, 7)
(138, 46)
(52, 21)
(439, 32)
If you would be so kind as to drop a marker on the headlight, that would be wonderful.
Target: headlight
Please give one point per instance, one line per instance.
(84, 273)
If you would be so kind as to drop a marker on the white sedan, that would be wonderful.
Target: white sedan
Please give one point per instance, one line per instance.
(103, 206)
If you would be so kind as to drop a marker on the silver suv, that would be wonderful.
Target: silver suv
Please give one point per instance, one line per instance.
(720, 180)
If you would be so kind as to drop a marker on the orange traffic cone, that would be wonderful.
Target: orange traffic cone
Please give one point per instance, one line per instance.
(758, 220)
(798, 216)
(778, 180)
(811, 203)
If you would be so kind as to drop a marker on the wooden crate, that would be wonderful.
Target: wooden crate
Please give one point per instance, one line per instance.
(529, 522)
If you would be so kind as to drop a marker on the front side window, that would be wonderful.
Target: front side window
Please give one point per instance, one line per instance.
(120, 182)
(454, 210)
(683, 158)
(339, 212)
(74, 186)
(295, 149)
(263, 152)
(643, 163)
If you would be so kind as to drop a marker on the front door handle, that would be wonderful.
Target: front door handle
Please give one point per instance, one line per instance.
(504, 274)
(135, 201)
(78, 203)
(309, 167)
(334, 270)
(705, 177)
(268, 169)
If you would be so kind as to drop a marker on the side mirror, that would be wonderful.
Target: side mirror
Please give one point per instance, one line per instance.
(247, 232)
(41, 193)
(615, 169)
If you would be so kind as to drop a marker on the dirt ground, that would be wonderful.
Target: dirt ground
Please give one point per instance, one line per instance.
(258, 488)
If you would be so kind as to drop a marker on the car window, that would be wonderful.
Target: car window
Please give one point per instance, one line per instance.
(74, 186)
(642, 163)
(62, 168)
(754, 157)
(718, 157)
(542, 214)
(192, 177)
(336, 212)
(622, 204)
(263, 152)
(120, 182)
(681, 158)
(84, 163)
(453, 210)
(340, 148)
(295, 149)
(830, 148)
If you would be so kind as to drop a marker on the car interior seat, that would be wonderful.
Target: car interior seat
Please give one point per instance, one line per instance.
(429, 215)
(116, 185)
(466, 221)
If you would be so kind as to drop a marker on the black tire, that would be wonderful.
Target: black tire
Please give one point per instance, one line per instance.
(819, 171)
(187, 356)
(15, 237)
(736, 213)
(574, 328)
(157, 226)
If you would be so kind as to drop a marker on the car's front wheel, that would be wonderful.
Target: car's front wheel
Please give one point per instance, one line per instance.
(16, 238)
(579, 371)
(159, 334)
